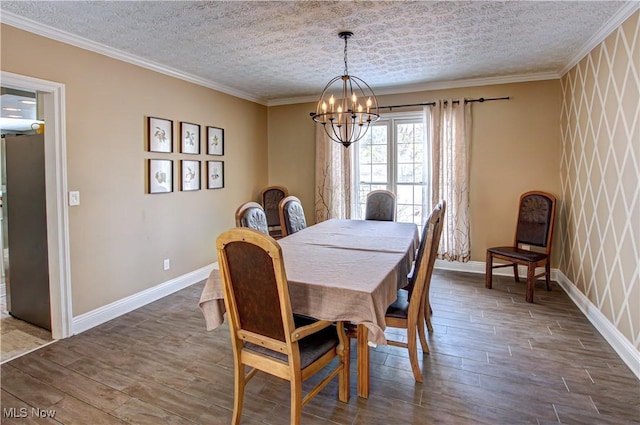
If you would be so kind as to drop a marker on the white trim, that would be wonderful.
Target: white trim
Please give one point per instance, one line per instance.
(627, 352)
(111, 311)
(56, 195)
(611, 25)
(86, 44)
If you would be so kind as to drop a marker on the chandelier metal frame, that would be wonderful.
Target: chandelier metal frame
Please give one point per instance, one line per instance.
(344, 118)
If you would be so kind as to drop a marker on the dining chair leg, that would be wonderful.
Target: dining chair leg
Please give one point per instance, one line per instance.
(427, 316)
(296, 400)
(547, 271)
(344, 378)
(238, 397)
(489, 271)
(515, 272)
(423, 339)
(531, 281)
(413, 353)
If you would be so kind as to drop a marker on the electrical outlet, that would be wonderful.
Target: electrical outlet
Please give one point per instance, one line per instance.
(74, 198)
(166, 265)
(526, 247)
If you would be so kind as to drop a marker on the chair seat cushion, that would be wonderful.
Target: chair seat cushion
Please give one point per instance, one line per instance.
(517, 253)
(400, 307)
(311, 347)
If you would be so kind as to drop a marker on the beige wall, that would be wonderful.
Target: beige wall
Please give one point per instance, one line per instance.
(600, 215)
(119, 235)
(515, 148)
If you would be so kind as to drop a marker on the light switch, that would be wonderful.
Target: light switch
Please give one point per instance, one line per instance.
(74, 198)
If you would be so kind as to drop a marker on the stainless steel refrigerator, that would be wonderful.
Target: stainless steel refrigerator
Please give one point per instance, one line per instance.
(25, 220)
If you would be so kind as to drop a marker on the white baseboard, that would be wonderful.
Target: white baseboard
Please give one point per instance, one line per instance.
(108, 312)
(621, 345)
(614, 337)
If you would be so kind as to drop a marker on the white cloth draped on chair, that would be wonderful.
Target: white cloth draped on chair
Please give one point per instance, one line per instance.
(450, 149)
(333, 178)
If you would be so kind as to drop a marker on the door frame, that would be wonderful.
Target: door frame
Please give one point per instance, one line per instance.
(55, 152)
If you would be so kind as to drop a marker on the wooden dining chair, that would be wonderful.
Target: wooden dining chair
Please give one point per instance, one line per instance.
(381, 206)
(411, 277)
(251, 215)
(411, 309)
(264, 334)
(291, 215)
(270, 197)
(536, 214)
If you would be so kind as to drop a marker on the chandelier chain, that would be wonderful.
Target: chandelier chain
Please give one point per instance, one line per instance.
(346, 70)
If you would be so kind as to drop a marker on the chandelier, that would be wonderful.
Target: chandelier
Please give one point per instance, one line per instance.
(347, 105)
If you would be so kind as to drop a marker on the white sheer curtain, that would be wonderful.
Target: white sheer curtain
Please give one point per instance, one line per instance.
(450, 157)
(333, 178)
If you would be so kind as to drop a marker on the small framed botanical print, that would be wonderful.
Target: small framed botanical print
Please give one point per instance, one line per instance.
(189, 138)
(160, 135)
(215, 141)
(160, 176)
(190, 172)
(215, 174)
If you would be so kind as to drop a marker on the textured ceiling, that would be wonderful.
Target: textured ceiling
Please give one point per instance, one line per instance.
(270, 51)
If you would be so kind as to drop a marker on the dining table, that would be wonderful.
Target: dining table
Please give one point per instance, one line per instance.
(339, 270)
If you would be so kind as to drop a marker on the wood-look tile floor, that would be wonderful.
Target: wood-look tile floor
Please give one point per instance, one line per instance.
(18, 337)
(494, 360)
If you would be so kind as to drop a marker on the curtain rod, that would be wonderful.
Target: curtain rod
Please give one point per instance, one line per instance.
(481, 99)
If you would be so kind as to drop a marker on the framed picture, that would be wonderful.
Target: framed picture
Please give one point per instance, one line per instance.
(160, 176)
(215, 141)
(215, 174)
(189, 138)
(160, 135)
(190, 171)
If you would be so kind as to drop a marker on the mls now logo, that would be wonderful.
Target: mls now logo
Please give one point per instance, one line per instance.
(23, 412)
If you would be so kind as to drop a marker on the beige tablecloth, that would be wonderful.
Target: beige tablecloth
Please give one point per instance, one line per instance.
(346, 270)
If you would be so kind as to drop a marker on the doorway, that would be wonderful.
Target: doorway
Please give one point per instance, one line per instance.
(53, 102)
(24, 286)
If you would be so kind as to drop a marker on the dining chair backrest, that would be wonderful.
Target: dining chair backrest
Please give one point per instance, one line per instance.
(425, 261)
(381, 206)
(251, 215)
(536, 213)
(270, 198)
(263, 329)
(291, 215)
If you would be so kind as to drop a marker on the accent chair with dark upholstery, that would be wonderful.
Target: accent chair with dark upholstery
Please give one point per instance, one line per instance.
(291, 215)
(411, 309)
(251, 215)
(381, 206)
(536, 215)
(265, 335)
(270, 198)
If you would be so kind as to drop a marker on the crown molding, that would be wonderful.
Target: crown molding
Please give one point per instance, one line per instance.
(610, 26)
(440, 85)
(38, 28)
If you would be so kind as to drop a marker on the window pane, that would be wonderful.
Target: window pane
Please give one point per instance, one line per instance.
(379, 154)
(404, 194)
(379, 173)
(365, 172)
(405, 173)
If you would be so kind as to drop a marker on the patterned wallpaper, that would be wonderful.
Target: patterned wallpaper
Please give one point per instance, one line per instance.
(600, 177)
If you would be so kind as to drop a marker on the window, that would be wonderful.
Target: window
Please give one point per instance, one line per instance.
(394, 156)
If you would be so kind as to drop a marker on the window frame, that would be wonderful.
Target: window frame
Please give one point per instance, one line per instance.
(391, 120)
